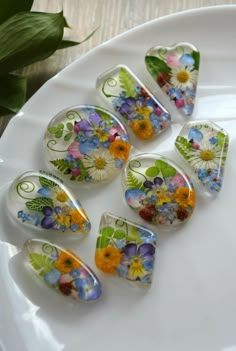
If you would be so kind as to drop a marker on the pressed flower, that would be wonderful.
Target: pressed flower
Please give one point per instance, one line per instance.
(100, 165)
(108, 258)
(76, 217)
(62, 220)
(143, 129)
(183, 77)
(185, 197)
(67, 261)
(120, 149)
(144, 110)
(57, 194)
(205, 156)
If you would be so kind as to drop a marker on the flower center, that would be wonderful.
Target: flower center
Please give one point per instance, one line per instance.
(207, 155)
(62, 197)
(100, 163)
(68, 263)
(183, 76)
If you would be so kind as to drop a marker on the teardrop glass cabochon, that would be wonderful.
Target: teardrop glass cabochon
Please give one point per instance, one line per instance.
(158, 190)
(86, 144)
(42, 201)
(62, 270)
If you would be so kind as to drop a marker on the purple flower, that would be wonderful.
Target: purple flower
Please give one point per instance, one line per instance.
(157, 181)
(137, 262)
(48, 222)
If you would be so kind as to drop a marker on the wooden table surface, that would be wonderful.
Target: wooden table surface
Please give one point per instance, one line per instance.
(111, 17)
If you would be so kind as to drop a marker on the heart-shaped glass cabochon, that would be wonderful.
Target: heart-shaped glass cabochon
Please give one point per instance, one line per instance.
(158, 190)
(175, 69)
(86, 144)
(41, 201)
(62, 270)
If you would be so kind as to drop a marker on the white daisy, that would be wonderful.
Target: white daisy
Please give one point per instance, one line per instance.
(183, 77)
(208, 156)
(100, 165)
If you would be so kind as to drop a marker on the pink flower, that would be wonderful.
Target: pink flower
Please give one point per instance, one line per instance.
(65, 278)
(179, 103)
(177, 180)
(73, 150)
(158, 111)
(172, 61)
(75, 172)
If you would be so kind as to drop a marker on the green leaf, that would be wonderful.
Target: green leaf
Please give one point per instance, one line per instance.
(41, 262)
(39, 203)
(69, 126)
(165, 169)
(222, 139)
(127, 82)
(152, 172)
(133, 182)
(12, 92)
(45, 182)
(28, 37)
(68, 136)
(134, 235)
(58, 134)
(119, 234)
(196, 56)
(156, 66)
(61, 165)
(68, 43)
(183, 146)
(104, 237)
(11, 7)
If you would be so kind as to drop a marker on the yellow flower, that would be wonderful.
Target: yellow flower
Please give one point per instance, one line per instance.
(59, 195)
(108, 258)
(143, 129)
(63, 220)
(102, 135)
(77, 217)
(162, 198)
(136, 269)
(185, 197)
(144, 111)
(120, 149)
(67, 261)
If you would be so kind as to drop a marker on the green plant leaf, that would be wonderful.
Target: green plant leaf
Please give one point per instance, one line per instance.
(41, 262)
(61, 165)
(152, 172)
(134, 235)
(196, 56)
(28, 37)
(104, 237)
(11, 7)
(39, 203)
(127, 82)
(222, 139)
(165, 169)
(45, 182)
(58, 134)
(68, 43)
(69, 126)
(156, 66)
(119, 234)
(133, 182)
(183, 146)
(68, 136)
(12, 92)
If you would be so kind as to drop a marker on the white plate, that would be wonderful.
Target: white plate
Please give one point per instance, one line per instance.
(191, 304)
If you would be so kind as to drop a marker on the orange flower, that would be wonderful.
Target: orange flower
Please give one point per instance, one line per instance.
(76, 217)
(108, 258)
(67, 261)
(185, 197)
(143, 129)
(120, 149)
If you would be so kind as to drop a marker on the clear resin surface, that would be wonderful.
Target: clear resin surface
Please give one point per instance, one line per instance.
(142, 112)
(175, 69)
(158, 190)
(126, 249)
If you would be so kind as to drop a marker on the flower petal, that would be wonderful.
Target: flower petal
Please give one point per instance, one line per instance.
(146, 250)
(130, 250)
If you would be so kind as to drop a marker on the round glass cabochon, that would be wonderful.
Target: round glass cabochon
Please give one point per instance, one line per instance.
(158, 190)
(86, 144)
